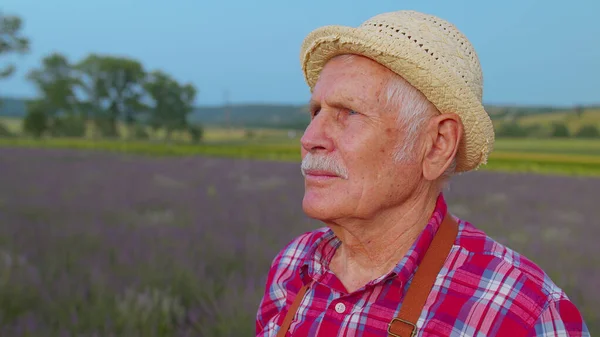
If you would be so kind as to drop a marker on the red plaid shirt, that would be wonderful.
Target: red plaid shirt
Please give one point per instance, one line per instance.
(484, 289)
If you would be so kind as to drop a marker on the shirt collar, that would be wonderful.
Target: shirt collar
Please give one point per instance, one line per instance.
(317, 259)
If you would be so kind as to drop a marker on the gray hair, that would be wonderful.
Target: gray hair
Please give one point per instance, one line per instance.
(414, 111)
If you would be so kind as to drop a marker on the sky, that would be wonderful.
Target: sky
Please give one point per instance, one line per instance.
(532, 52)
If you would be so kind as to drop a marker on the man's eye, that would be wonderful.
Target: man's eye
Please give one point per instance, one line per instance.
(352, 112)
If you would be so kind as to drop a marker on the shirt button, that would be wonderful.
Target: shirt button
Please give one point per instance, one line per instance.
(340, 308)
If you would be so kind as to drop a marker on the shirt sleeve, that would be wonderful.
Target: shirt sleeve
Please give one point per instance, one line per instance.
(273, 297)
(560, 318)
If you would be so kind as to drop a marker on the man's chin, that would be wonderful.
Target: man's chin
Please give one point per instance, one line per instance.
(318, 208)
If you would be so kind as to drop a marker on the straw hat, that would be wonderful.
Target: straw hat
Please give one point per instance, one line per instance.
(428, 52)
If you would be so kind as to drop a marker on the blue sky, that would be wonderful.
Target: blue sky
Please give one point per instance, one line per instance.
(532, 52)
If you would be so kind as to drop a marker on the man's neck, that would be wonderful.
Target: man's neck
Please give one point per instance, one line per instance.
(372, 248)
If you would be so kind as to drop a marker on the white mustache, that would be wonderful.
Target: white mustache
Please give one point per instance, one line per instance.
(323, 163)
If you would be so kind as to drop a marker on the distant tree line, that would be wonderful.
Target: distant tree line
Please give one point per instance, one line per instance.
(511, 126)
(104, 90)
(554, 130)
(99, 90)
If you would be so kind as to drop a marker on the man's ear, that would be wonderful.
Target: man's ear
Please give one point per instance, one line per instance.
(444, 133)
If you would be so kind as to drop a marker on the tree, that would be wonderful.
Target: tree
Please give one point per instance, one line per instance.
(196, 132)
(36, 120)
(579, 110)
(511, 129)
(560, 130)
(113, 87)
(172, 102)
(588, 131)
(11, 40)
(55, 82)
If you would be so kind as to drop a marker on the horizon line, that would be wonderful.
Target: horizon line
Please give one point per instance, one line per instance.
(275, 103)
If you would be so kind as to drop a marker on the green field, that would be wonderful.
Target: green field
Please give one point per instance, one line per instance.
(570, 157)
(549, 146)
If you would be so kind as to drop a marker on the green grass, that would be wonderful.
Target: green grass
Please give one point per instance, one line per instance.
(569, 146)
(564, 157)
(544, 164)
(248, 150)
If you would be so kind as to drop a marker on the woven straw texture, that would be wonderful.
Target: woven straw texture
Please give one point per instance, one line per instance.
(428, 52)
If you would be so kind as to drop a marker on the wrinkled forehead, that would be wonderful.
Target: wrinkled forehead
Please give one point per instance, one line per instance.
(352, 79)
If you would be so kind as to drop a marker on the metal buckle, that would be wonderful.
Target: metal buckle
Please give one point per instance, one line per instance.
(414, 330)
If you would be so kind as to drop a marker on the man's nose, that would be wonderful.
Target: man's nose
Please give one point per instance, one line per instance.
(317, 136)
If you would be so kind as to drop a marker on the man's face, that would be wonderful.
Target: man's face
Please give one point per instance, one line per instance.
(353, 128)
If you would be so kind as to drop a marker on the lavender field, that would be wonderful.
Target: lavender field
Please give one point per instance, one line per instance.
(105, 244)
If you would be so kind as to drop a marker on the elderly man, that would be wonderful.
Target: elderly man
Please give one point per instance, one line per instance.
(395, 111)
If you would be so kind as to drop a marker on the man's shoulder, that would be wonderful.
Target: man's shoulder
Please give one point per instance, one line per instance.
(283, 275)
(293, 254)
(499, 290)
(498, 263)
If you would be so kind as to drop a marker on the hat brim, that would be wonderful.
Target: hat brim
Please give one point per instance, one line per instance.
(445, 89)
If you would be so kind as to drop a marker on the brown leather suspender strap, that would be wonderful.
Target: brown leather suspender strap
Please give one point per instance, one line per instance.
(405, 324)
(285, 326)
